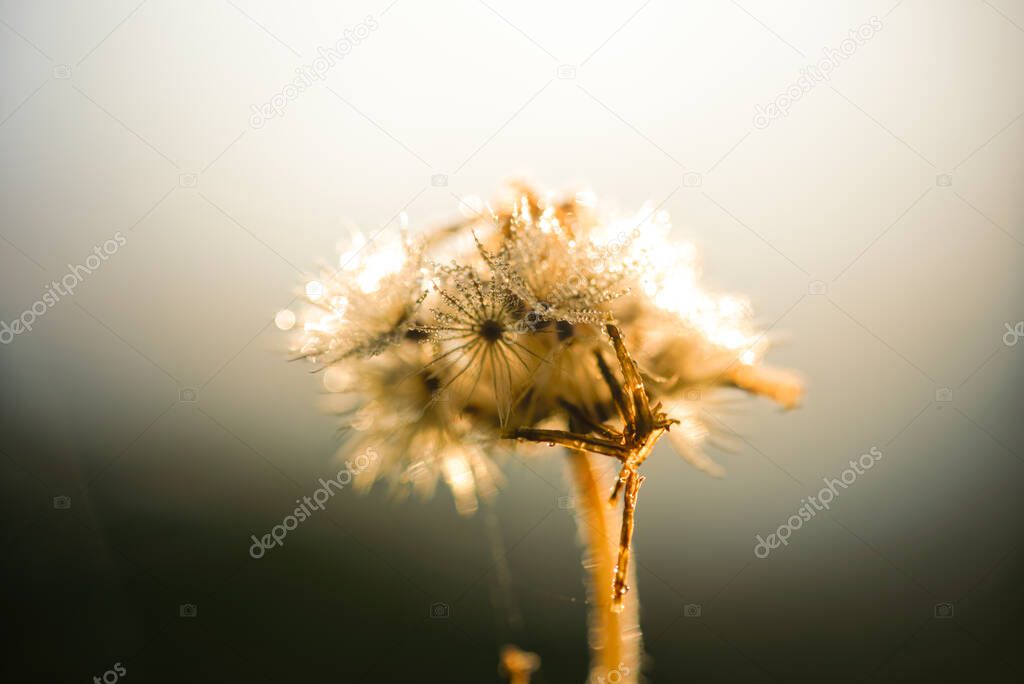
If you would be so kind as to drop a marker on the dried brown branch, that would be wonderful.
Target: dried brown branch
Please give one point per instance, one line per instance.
(581, 417)
(571, 440)
(642, 428)
(619, 585)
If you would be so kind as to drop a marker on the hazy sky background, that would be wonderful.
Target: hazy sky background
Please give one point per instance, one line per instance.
(877, 227)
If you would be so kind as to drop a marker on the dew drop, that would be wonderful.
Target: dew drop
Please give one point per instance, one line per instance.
(285, 319)
(314, 290)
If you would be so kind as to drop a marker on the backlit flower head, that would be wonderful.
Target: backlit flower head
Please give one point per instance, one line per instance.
(504, 322)
(361, 307)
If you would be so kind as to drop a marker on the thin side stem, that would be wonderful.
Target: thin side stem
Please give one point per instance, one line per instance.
(570, 440)
(621, 584)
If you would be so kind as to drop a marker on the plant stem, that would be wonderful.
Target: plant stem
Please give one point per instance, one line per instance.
(615, 638)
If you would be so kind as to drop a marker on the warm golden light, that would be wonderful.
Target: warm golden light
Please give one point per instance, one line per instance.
(538, 322)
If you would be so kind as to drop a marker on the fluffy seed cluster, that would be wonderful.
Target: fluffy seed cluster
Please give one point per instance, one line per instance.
(437, 346)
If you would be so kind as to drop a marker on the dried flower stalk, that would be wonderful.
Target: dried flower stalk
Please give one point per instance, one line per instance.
(631, 445)
(437, 348)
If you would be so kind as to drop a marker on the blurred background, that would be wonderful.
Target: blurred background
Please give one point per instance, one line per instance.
(854, 167)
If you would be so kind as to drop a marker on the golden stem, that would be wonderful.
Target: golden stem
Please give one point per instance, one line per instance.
(615, 638)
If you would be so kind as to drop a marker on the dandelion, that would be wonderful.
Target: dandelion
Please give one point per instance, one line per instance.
(540, 322)
(476, 330)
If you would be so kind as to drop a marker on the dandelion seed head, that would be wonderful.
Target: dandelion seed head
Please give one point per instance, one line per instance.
(443, 339)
